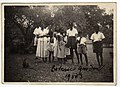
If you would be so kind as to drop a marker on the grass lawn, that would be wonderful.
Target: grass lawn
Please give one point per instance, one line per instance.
(41, 72)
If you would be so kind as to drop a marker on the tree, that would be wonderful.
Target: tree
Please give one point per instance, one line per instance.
(94, 15)
(22, 20)
(16, 20)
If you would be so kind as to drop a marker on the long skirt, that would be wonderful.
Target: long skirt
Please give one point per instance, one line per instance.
(97, 47)
(61, 52)
(42, 48)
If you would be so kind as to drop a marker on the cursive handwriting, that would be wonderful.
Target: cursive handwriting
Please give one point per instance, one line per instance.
(74, 72)
(61, 68)
(91, 68)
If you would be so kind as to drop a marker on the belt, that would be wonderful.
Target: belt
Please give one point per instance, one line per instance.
(41, 36)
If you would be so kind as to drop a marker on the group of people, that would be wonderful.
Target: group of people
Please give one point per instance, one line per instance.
(61, 45)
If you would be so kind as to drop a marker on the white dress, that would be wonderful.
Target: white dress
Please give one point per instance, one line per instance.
(36, 33)
(61, 49)
(55, 47)
(42, 44)
(67, 50)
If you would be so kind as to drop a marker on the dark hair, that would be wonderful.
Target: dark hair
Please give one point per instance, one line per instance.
(59, 37)
(37, 25)
(96, 27)
(50, 33)
(84, 35)
(70, 24)
(80, 32)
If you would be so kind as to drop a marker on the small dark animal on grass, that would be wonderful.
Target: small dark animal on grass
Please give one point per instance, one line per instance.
(25, 63)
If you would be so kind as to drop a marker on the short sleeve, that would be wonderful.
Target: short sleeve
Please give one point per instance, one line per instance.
(46, 31)
(102, 36)
(92, 37)
(65, 39)
(78, 38)
(76, 32)
(85, 40)
(48, 39)
(35, 31)
(67, 32)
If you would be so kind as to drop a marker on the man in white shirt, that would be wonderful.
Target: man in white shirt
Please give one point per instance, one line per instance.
(97, 38)
(72, 42)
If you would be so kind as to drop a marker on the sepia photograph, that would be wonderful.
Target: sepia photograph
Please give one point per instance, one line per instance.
(59, 43)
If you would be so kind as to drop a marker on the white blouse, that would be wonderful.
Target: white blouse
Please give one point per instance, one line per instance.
(97, 37)
(72, 32)
(82, 41)
(36, 31)
(40, 32)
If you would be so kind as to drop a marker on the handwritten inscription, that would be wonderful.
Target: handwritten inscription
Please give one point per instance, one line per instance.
(61, 68)
(73, 72)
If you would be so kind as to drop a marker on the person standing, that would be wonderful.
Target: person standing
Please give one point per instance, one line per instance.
(60, 49)
(72, 42)
(97, 38)
(67, 50)
(51, 46)
(36, 34)
(55, 44)
(82, 48)
(42, 43)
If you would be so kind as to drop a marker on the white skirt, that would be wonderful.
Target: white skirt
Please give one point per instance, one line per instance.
(42, 48)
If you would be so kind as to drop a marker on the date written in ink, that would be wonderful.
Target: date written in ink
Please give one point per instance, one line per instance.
(73, 76)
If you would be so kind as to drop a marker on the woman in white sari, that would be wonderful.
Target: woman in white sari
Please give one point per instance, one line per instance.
(41, 51)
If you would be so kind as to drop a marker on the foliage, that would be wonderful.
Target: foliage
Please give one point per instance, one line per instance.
(20, 21)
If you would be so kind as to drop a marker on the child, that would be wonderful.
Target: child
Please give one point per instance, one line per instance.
(60, 49)
(51, 46)
(67, 50)
(82, 48)
(55, 45)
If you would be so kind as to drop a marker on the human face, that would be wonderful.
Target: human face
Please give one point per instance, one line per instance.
(42, 25)
(96, 30)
